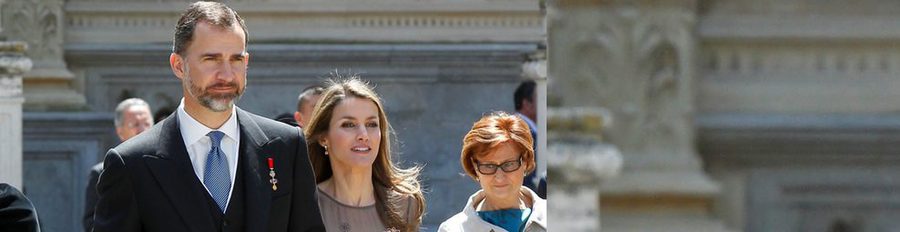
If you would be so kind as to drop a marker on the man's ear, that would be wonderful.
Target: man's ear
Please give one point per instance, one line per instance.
(177, 65)
(120, 131)
(298, 118)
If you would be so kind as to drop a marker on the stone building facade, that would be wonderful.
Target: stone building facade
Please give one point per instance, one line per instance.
(733, 115)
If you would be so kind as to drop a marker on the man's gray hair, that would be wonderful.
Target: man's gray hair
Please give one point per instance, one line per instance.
(125, 105)
(306, 92)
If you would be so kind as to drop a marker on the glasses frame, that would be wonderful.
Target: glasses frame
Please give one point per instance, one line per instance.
(500, 166)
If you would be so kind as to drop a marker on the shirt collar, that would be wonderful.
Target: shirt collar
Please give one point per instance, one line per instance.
(193, 131)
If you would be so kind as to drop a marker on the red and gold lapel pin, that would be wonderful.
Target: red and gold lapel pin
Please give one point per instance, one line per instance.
(272, 174)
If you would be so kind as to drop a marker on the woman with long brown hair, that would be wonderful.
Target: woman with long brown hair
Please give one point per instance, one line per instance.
(360, 188)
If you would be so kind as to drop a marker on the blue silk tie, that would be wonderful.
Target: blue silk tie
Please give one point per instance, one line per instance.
(215, 176)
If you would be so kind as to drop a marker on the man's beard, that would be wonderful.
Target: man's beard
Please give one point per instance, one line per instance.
(215, 102)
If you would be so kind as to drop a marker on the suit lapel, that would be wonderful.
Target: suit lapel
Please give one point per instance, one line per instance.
(254, 150)
(175, 174)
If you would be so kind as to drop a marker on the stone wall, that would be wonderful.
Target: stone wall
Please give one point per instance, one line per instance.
(799, 117)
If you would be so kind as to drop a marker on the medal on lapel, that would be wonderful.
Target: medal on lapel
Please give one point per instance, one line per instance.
(272, 174)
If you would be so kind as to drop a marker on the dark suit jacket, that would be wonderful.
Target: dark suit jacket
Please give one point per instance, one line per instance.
(16, 211)
(90, 197)
(148, 182)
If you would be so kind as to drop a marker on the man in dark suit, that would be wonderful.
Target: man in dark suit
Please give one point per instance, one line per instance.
(210, 166)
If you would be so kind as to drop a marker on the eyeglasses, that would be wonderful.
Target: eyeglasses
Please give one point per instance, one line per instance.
(490, 169)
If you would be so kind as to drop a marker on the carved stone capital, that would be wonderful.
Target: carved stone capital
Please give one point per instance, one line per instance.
(12, 65)
(40, 24)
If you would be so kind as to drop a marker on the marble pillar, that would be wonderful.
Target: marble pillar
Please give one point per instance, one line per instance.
(13, 64)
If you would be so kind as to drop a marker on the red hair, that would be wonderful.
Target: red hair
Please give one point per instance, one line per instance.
(489, 132)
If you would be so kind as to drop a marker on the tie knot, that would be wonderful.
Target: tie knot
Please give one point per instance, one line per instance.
(216, 137)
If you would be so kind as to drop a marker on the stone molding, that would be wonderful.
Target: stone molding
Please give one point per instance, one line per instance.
(403, 21)
(789, 77)
(296, 65)
(751, 140)
(806, 27)
(781, 60)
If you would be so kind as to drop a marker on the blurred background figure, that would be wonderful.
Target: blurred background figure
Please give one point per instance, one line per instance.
(498, 153)
(132, 117)
(16, 211)
(306, 103)
(527, 110)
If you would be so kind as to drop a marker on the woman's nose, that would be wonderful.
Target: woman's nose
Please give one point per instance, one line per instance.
(500, 175)
(362, 134)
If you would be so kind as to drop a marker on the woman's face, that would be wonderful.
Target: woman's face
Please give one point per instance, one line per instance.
(354, 133)
(501, 185)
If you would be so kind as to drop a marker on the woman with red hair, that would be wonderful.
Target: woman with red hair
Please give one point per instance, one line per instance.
(497, 153)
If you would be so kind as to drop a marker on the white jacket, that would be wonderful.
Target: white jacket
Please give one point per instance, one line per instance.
(469, 221)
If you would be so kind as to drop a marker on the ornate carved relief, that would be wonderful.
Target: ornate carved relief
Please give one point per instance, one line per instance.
(639, 66)
(37, 22)
(40, 24)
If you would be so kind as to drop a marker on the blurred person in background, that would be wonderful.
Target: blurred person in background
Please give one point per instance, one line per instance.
(306, 103)
(132, 116)
(526, 108)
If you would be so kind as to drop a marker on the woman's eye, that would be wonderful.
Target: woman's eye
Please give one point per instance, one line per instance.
(348, 125)
(372, 125)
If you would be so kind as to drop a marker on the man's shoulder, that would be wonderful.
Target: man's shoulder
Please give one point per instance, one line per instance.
(146, 142)
(97, 168)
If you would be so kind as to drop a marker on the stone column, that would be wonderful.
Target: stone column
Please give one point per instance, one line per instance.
(581, 162)
(637, 59)
(49, 85)
(13, 64)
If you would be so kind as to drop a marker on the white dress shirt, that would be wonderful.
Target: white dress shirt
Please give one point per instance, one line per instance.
(198, 144)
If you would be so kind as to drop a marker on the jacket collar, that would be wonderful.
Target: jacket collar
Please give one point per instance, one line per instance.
(172, 168)
(538, 210)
